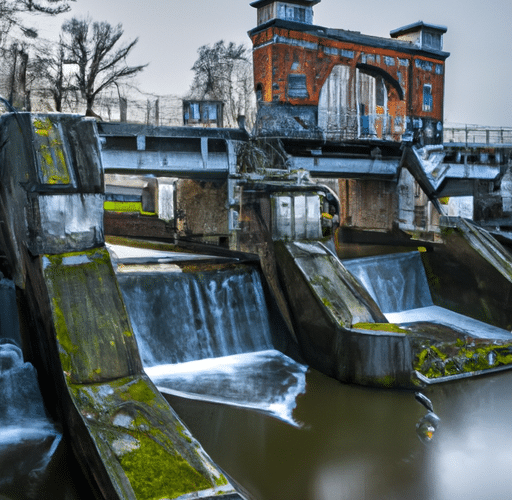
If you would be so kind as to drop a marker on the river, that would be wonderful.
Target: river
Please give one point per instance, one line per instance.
(360, 443)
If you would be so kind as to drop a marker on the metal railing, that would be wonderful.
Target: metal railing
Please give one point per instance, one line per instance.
(477, 134)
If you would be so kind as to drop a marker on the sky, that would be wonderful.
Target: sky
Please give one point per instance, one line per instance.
(479, 38)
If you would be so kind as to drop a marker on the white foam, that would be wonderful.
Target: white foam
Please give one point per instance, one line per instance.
(266, 381)
(435, 314)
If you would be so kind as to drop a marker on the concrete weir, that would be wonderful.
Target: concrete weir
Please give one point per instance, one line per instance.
(336, 301)
(129, 441)
(405, 317)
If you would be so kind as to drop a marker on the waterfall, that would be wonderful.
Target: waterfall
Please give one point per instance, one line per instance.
(180, 317)
(207, 336)
(397, 282)
(28, 440)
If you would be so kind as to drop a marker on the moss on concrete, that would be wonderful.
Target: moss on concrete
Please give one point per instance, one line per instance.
(144, 446)
(381, 327)
(154, 473)
(91, 323)
(460, 357)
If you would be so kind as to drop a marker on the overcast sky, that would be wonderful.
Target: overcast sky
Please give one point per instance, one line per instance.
(479, 38)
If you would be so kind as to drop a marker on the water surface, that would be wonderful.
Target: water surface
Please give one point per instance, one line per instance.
(360, 443)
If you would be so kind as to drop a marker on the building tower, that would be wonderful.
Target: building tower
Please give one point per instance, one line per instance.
(299, 11)
(319, 83)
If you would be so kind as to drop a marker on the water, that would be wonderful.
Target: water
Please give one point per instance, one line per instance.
(208, 336)
(180, 317)
(266, 381)
(397, 282)
(28, 439)
(35, 461)
(357, 443)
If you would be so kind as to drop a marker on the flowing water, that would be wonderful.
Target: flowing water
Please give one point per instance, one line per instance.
(35, 462)
(398, 283)
(208, 336)
(179, 317)
(332, 442)
(346, 442)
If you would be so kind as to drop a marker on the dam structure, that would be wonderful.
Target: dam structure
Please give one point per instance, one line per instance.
(207, 333)
(129, 442)
(229, 269)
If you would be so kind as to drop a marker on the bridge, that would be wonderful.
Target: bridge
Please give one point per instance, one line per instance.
(469, 154)
(175, 151)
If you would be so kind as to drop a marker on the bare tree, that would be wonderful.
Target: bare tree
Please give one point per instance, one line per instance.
(48, 70)
(16, 39)
(224, 72)
(91, 47)
(10, 11)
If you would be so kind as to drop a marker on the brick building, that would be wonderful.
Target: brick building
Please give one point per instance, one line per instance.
(322, 83)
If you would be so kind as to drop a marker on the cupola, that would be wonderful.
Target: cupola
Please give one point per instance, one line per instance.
(424, 36)
(299, 11)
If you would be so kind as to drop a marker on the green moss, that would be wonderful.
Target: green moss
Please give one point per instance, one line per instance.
(453, 358)
(326, 302)
(67, 347)
(91, 322)
(181, 431)
(51, 154)
(221, 481)
(448, 231)
(381, 327)
(154, 473)
(125, 206)
(139, 391)
(387, 381)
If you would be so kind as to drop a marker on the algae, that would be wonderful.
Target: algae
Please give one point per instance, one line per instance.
(91, 323)
(462, 356)
(381, 327)
(54, 169)
(126, 207)
(133, 424)
(138, 391)
(154, 473)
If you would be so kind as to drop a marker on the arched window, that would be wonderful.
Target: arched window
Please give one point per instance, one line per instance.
(335, 115)
(365, 103)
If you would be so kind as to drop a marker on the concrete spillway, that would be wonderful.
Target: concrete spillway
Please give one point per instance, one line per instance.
(180, 317)
(399, 285)
(207, 335)
(128, 440)
(384, 320)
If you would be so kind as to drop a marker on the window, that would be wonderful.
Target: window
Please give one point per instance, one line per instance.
(380, 92)
(427, 98)
(194, 111)
(299, 14)
(292, 13)
(206, 113)
(432, 40)
(297, 88)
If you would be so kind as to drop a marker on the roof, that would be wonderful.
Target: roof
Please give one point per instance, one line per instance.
(261, 3)
(417, 26)
(350, 37)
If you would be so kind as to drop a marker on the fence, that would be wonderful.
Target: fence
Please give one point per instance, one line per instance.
(476, 134)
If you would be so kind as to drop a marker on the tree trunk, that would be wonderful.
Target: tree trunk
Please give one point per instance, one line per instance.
(89, 111)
